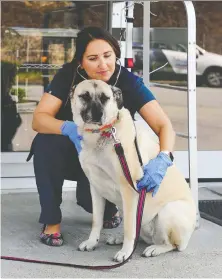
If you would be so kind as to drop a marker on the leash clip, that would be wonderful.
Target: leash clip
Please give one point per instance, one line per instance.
(113, 132)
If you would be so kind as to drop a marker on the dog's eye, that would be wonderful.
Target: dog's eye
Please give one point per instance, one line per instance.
(103, 98)
(86, 96)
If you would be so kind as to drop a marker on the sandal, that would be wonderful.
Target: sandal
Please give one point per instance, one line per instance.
(54, 239)
(113, 223)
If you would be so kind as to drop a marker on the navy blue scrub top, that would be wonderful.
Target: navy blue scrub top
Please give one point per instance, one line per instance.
(135, 93)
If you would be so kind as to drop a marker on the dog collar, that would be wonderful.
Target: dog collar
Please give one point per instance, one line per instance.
(104, 130)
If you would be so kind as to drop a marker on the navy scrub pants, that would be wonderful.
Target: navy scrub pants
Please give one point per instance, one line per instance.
(56, 159)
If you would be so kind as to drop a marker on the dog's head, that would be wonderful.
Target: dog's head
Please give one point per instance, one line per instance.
(95, 103)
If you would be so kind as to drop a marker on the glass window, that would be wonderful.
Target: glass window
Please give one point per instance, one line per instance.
(38, 37)
(168, 66)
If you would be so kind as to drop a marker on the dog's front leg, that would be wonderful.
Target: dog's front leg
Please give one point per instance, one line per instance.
(98, 205)
(129, 199)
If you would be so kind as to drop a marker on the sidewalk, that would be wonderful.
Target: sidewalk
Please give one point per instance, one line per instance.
(20, 231)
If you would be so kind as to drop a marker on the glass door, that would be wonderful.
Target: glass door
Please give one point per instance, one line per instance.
(37, 39)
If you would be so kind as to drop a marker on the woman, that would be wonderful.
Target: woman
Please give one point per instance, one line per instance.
(57, 144)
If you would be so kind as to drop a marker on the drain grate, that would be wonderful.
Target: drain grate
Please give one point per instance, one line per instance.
(211, 210)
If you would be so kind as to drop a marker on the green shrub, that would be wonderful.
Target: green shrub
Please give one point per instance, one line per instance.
(21, 93)
(33, 77)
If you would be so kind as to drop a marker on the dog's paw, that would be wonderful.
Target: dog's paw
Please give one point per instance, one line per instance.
(114, 240)
(121, 256)
(156, 250)
(88, 245)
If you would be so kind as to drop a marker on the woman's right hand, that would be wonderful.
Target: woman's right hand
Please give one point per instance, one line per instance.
(69, 129)
(44, 120)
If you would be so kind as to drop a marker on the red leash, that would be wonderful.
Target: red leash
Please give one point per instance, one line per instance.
(142, 195)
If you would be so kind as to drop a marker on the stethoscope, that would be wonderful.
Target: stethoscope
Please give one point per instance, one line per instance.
(117, 78)
(77, 70)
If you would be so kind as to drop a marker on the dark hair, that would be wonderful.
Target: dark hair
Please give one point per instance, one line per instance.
(88, 34)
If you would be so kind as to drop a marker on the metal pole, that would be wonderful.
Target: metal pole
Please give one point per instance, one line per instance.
(27, 70)
(129, 30)
(45, 48)
(17, 76)
(146, 42)
(109, 16)
(192, 113)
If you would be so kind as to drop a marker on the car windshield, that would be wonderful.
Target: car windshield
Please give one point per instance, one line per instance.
(175, 47)
(160, 45)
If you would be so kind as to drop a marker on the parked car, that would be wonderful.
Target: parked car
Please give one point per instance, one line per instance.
(209, 65)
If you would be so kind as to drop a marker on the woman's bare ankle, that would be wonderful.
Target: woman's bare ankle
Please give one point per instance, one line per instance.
(50, 229)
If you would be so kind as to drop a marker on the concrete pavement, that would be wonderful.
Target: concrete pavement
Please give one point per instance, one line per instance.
(20, 232)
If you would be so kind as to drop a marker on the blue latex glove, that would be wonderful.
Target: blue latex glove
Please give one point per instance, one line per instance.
(154, 173)
(69, 129)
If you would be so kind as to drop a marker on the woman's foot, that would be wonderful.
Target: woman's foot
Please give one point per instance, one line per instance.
(51, 235)
(50, 229)
(112, 223)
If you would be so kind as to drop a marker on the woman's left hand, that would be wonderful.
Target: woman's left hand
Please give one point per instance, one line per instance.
(154, 173)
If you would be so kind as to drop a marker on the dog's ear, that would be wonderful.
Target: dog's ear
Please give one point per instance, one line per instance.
(117, 93)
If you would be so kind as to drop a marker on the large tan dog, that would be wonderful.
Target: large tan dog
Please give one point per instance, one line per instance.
(169, 217)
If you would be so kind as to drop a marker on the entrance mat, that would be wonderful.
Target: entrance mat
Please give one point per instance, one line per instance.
(211, 210)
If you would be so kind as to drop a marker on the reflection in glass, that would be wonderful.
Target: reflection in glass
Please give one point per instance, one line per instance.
(10, 118)
(38, 37)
